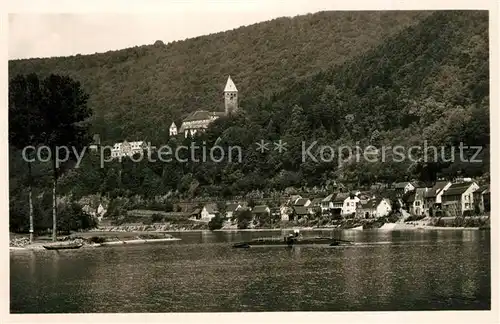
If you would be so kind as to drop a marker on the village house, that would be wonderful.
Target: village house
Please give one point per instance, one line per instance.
(261, 211)
(286, 212)
(128, 149)
(195, 214)
(432, 198)
(230, 209)
(338, 204)
(482, 199)
(315, 205)
(302, 202)
(402, 188)
(414, 201)
(459, 199)
(300, 212)
(173, 129)
(327, 203)
(208, 212)
(199, 120)
(97, 212)
(374, 208)
(350, 205)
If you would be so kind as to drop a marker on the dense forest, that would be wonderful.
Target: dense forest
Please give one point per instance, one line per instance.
(137, 92)
(425, 80)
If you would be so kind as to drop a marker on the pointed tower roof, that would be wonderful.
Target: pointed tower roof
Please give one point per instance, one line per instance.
(230, 85)
(173, 124)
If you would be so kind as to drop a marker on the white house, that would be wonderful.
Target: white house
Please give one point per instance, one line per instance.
(433, 197)
(403, 187)
(230, 209)
(377, 207)
(350, 205)
(459, 198)
(208, 212)
(173, 129)
(285, 212)
(415, 201)
(128, 148)
(327, 203)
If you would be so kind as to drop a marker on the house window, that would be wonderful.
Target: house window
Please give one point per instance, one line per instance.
(417, 203)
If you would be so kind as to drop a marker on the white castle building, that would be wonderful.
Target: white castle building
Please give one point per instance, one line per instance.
(199, 120)
(128, 148)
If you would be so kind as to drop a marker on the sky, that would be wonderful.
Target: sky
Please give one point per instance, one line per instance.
(49, 34)
(36, 29)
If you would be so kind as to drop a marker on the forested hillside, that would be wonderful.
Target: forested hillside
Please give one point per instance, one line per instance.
(427, 82)
(135, 93)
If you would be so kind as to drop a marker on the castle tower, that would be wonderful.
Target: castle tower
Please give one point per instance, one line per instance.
(230, 97)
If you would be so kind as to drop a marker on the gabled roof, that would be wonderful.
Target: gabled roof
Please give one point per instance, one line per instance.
(434, 191)
(230, 86)
(341, 197)
(316, 201)
(211, 208)
(232, 207)
(300, 210)
(401, 185)
(328, 198)
(457, 189)
(260, 209)
(203, 115)
(173, 125)
(196, 211)
(484, 189)
(300, 202)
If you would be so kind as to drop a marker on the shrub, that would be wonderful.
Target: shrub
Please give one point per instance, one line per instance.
(216, 223)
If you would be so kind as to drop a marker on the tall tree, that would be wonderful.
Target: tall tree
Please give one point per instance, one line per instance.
(24, 124)
(64, 113)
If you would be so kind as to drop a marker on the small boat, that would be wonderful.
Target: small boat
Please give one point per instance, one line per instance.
(292, 240)
(63, 246)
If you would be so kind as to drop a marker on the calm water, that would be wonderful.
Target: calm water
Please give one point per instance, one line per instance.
(443, 270)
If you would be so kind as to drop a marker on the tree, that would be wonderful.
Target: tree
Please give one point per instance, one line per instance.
(24, 127)
(63, 111)
(216, 222)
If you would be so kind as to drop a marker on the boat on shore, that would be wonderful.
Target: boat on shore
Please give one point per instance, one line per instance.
(63, 246)
(292, 240)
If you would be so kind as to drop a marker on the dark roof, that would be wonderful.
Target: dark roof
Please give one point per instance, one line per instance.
(260, 209)
(329, 198)
(401, 185)
(211, 208)
(434, 191)
(341, 197)
(196, 211)
(316, 201)
(202, 115)
(484, 189)
(232, 207)
(300, 202)
(457, 189)
(299, 210)
(418, 184)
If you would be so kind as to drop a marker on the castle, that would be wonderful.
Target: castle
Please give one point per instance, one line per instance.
(199, 120)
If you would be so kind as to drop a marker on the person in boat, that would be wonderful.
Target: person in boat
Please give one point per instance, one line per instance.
(291, 238)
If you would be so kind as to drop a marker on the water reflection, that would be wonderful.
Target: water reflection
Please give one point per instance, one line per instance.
(383, 271)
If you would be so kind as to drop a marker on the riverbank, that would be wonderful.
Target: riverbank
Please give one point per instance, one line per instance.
(90, 240)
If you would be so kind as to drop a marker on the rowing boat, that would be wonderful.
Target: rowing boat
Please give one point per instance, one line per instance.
(63, 246)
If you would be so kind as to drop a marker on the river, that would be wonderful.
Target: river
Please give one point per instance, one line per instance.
(383, 271)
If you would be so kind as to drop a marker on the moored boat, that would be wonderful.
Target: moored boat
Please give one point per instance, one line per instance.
(292, 240)
(63, 246)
